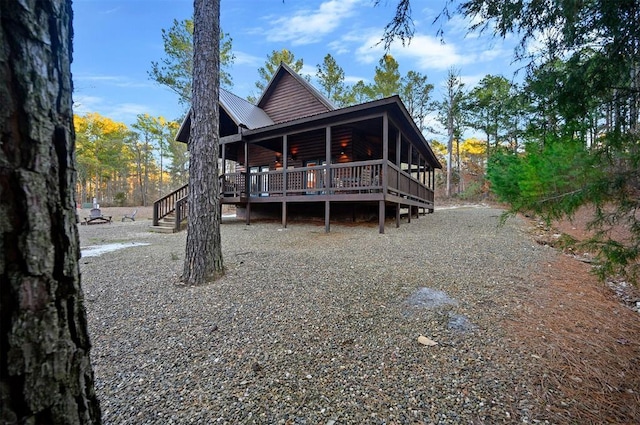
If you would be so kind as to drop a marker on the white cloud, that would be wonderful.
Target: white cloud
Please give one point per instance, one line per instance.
(243, 58)
(352, 79)
(95, 78)
(347, 41)
(430, 53)
(113, 80)
(425, 51)
(309, 70)
(338, 47)
(370, 50)
(127, 112)
(470, 81)
(460, 26)
(83, 104)
(489, 55)
(121, 112)
(110, 11)
(310, 26)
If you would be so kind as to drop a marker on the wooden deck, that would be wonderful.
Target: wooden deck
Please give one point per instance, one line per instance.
(354, 182)
(372, 182)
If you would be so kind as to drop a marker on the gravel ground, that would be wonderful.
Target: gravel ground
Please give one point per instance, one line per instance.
(315, 328)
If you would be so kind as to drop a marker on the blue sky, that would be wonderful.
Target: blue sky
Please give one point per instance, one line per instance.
(115, 42)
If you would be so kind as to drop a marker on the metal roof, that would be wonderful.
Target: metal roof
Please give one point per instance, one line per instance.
(242, 112)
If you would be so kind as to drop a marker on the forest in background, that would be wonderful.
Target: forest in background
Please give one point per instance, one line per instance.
(118, 165)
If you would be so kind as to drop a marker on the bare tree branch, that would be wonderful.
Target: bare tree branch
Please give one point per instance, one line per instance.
(401, 26)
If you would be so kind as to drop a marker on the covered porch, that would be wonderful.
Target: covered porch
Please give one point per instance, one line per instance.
(365, 159)
(369, 156)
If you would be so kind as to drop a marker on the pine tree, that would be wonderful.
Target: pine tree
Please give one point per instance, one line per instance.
(203, 259)
(45, 370)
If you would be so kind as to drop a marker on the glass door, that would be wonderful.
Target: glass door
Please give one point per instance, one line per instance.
(260, 180)
(264, 180)
(314, 177)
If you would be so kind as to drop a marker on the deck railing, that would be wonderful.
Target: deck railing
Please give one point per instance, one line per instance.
(335, 179)
(404, 184)
(353, 178)
(182, 212)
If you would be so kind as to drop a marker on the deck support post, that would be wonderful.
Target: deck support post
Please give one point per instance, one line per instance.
(327, 177)
(247, 182)
(381, 217)
(398, 215)
(410, 170)
(327, 211)
(222, 177)
(327, 165)
(409, 213)
(284, 214)
(285, 164)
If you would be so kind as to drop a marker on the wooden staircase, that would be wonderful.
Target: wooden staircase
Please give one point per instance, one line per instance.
(170, 212)
(167, 224)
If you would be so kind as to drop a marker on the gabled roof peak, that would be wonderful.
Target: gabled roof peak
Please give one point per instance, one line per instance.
(277, 75)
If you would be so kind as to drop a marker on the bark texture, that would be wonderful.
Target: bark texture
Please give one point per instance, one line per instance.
(203, 257)
(45, 370)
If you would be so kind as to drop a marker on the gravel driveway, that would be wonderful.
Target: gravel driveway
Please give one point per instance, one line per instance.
(315, 328)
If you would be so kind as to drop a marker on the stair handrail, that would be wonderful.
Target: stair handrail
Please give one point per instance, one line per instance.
(167, 204)
(182, 212)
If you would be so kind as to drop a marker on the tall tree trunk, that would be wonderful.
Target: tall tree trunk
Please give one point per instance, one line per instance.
(161, 189)
(203, 258)
(147, 150)
(45, 371)
(449, 160)
(488, 146)
(139, 175)
(460, 187)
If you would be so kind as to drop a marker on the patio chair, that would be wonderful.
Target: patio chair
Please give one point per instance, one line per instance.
(96, 217)
(131, 216)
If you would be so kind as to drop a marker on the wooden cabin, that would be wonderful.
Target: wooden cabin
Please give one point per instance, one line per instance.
(298, 156)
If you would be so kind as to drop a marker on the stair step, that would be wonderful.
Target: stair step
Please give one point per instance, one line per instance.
(163, 229)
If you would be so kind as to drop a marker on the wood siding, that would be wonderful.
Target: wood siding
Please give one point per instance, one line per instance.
(290, 100)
